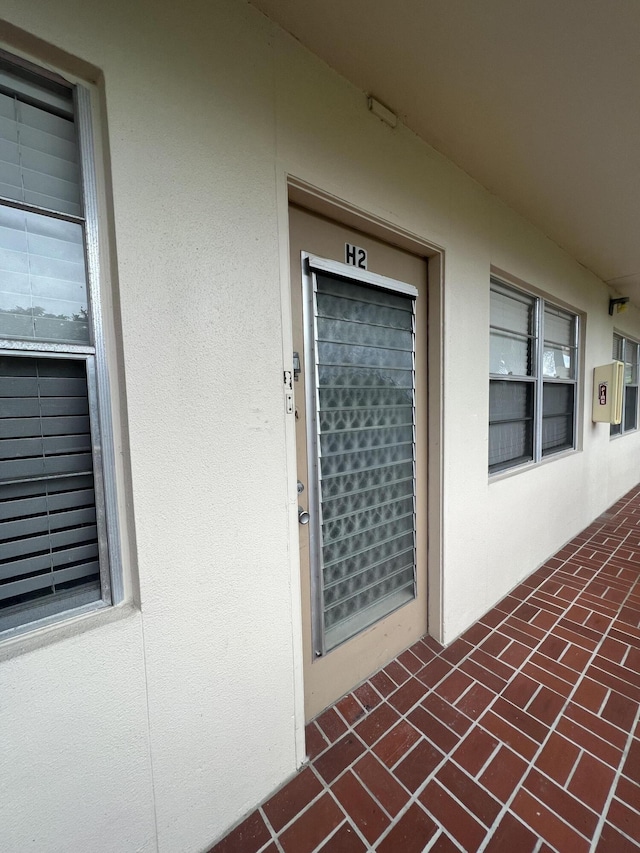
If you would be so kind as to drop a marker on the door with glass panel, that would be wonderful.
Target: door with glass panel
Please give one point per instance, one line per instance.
(360, 398)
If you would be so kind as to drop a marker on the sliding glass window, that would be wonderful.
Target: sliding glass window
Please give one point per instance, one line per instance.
(533, 378)
(627, 351)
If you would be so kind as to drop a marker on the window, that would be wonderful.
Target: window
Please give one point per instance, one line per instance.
(54, 497)
(626, 350)
(533, 378)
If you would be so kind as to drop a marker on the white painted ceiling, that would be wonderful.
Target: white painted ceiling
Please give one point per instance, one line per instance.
(538, 100)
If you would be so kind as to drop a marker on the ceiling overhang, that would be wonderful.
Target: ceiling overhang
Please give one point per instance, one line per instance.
(537, 101)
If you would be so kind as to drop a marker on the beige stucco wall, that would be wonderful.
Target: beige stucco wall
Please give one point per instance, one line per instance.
(158, 729)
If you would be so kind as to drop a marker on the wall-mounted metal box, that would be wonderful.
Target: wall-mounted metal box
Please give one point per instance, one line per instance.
(608, 384)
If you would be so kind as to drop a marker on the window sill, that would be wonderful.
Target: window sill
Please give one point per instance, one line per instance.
(623, 434)
(30, 639)
(531, 466)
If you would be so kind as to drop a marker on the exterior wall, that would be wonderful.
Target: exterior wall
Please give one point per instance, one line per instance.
(157, 726)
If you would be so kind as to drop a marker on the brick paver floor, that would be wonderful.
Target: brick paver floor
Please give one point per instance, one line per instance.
(520, 736)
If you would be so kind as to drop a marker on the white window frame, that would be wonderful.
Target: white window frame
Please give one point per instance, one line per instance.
(618, 430)
(537, 378)
(94, 355)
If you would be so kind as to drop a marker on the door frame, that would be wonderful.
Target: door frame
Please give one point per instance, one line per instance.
(293, 190)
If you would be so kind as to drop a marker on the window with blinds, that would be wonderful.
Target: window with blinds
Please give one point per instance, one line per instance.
(53, 537)
(627, 351)
(512, 396)
(559, 358)
(533, 378)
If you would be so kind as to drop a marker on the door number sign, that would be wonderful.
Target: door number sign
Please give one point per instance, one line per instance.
(355, 256)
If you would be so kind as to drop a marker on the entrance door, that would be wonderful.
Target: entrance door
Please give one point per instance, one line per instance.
(361, 421)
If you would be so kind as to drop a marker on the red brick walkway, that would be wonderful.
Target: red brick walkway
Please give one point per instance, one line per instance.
(521, 736)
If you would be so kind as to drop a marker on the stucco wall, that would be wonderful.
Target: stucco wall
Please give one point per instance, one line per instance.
(159, 729)
(497, 532)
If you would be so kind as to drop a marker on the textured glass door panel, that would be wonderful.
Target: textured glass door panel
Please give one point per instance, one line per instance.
(365, 445)
(381, 379)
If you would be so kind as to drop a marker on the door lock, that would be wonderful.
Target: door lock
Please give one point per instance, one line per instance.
(303, 516)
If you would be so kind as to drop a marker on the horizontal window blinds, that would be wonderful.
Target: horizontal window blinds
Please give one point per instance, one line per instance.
(533, 368)
(365, 396)
(618, 355)
(53, 511)
(43, 290)
(511, 332)
(39, 163)
(511, 310)
(618, 350)
(48, 534)
(510, 423)
(631, 385)
(557, 417)
(627, 351)
(630, 363)
(560, 353)
(630, 407)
